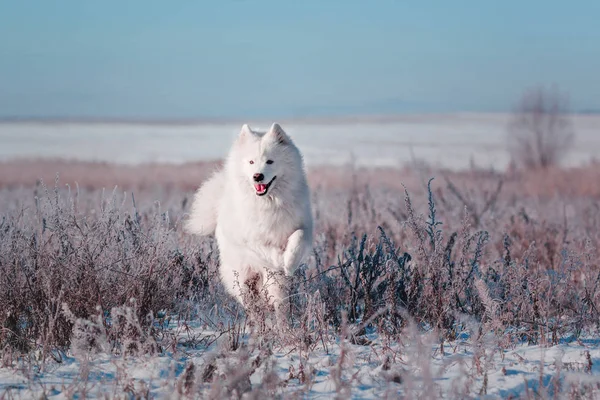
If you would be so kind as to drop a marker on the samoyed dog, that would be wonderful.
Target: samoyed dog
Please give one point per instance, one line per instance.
(258, 208)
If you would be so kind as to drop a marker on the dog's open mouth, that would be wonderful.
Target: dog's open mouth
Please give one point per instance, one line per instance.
(263, 188)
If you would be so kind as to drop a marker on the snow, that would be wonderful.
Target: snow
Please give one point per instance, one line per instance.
(424, 370)
(452, 141)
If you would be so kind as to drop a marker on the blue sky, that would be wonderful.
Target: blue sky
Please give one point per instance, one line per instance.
(262, 58)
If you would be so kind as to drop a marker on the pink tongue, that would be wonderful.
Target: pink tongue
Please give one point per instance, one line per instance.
(260, 187)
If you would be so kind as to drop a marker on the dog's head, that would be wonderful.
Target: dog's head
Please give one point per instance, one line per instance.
(267, 159)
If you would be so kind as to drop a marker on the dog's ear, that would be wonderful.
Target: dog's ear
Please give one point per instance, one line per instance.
(277, 134)
(245, 132)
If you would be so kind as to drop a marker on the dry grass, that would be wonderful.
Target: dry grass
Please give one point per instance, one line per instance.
(517, 253)
(554, 181)
(98, 175)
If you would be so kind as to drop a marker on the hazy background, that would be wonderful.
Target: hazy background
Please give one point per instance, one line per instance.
(382, 83)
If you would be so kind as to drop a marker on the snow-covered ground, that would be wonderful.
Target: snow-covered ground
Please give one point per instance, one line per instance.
(419, 370)
(452, 141)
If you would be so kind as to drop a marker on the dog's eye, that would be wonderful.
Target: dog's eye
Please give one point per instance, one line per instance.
(251, 162)
(269, 161)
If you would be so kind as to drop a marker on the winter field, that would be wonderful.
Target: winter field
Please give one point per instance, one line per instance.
(452, 141)
(483, 283)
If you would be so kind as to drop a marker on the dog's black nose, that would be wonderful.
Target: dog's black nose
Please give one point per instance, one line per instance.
(258, 177)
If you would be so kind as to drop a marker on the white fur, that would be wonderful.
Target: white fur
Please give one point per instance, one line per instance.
(257, 234)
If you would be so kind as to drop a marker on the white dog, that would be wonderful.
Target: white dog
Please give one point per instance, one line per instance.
(258, 207)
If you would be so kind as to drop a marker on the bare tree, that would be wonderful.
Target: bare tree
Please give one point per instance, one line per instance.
(540, 133)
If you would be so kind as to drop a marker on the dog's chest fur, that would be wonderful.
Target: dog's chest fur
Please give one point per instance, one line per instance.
(261, 223)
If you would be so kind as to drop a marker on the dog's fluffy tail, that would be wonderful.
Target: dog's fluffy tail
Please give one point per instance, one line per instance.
(203, 216)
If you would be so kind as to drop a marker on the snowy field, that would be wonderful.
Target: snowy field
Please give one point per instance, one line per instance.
(413, 370)
(451, 141)
(485, 287)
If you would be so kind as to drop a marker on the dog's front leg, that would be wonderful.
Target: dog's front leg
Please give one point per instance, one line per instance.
(298, 246)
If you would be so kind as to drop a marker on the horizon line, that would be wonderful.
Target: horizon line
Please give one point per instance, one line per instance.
(382, 118)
